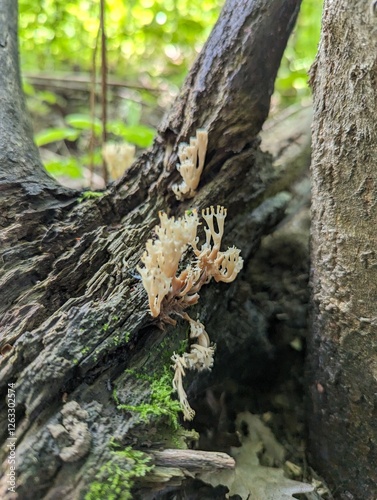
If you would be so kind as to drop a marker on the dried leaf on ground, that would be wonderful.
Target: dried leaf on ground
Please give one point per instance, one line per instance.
(249, 479)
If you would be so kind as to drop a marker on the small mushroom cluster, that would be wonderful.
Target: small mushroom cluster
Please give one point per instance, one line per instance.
(191, 157)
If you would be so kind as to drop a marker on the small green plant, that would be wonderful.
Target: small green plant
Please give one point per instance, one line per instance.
(161, 401)
(116, 478)
(88, 195)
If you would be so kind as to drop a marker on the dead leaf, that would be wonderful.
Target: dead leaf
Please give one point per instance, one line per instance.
(249, 479)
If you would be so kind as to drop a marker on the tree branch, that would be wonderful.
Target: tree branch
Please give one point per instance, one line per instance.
(229, 87)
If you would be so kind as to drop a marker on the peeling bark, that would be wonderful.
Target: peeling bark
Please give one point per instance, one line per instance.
(342, 352)
(72, 308)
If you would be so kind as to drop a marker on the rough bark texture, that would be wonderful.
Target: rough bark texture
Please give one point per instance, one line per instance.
(342, 352)
(74, 315)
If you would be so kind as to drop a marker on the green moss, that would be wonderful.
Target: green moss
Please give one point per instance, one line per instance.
(166, 347)
(161, 402)
(88, 195)
(117, 339)
(115, 396)
(116, 478)
(183, 346)
(186, 437)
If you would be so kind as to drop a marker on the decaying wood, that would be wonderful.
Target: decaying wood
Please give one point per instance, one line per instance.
(342, 351)
(72, 307)
(193, 460)
(172, 467)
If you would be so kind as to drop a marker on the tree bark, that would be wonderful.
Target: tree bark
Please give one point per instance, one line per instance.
(342, 351)
(74, 315)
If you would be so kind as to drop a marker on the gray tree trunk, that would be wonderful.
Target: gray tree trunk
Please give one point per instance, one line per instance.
(74, 316)
(343, 346)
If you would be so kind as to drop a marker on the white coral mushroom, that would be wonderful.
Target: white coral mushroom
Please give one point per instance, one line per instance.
(161, 260)
(230, 266)
(222, 266)
(208, 215)
(118, 157)
(199, 358)
(191, 157)
(179, 373)
(161, 257)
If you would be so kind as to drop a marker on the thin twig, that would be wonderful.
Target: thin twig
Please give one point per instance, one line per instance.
(65, 80)
(92, 104)
(103, 85)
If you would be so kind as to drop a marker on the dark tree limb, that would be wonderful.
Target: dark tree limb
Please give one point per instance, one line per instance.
(72, 309)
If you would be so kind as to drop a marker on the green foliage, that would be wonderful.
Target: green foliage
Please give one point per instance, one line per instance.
(84, 122)
(291, 84)
(156, 38)
(67, 166)
(151, 44)
(116, 478)
(137, 134)
(140, 135)
(79, 124)
(161, 402)
(55, 134)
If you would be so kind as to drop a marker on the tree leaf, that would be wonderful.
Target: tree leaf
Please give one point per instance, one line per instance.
(68, 167)
(55, 134)
(84, 122)
(140, 135)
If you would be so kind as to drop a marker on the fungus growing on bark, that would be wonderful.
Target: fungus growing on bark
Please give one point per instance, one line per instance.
(118, 157)
(161, 259)
(171, 293)
(199, 358)
(191, 157)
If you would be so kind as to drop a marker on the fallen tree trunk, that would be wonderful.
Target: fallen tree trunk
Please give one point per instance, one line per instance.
(74, 313)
